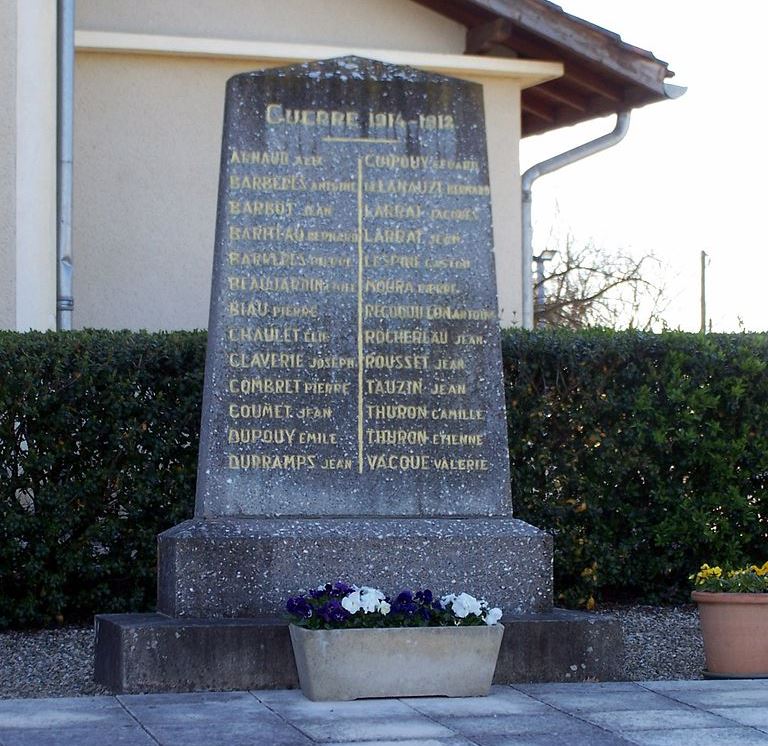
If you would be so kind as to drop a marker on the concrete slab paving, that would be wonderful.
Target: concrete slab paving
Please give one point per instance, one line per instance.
(642, 713)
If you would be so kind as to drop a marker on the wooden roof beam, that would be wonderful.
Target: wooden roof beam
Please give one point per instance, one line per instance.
(560, 95)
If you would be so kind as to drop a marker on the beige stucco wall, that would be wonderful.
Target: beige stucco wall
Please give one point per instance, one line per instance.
(148, 135)
(8, 164)
(379, 24)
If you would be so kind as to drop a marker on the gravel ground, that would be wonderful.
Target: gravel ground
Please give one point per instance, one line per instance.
(661, 643)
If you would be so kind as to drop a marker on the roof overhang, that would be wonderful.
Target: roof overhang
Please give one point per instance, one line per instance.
(603, 74)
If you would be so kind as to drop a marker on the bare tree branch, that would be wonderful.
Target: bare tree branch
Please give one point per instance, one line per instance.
(591, 286)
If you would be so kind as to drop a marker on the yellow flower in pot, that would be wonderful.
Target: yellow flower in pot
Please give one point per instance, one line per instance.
(733, 609)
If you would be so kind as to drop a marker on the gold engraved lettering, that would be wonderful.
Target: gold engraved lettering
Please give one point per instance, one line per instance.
(476, 190)
(259, 208)
(260, 411)
(397, 437)
(404, 337)
(449, 363)
(469, 339)
(266, 360)
(315, 439)
(308, 160)
(403, 186)
(396, 412)
(326, 388)
(457, 415)
(373, 361)
(287, 461)
(267, 183)
(387, 286)
(265, 259)
(264, 386)
(317, 211)
(325, 185)
(444, 239)
(291, 284)
(458, 439)
(400, 261)
(340, 363)
(436, 121)
(398, 462)
(392, 210)
(251, 435)
(461, 213)
(315, 413)
(393, 161)
(260, 157)
(460, 464)
(393, 235)
(448, 389)
(336, 463)
(277, 114)
(447, 263)
(438, 288)
(394, 386)
(259, 309)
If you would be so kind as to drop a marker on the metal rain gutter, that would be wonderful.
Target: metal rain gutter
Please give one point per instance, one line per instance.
(546, 167)
(65, 21)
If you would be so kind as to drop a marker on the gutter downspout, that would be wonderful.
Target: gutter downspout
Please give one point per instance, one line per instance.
(546, 167)
(65, 105)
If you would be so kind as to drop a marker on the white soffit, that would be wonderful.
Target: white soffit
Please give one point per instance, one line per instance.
(527, 72)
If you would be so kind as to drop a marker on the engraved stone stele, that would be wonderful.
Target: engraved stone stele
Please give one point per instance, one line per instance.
(353, 422)
(353, 416)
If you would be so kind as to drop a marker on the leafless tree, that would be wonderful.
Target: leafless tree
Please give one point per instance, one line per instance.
(591, 286)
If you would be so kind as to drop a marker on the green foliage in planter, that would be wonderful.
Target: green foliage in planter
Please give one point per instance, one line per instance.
(642, 453)
(98, 451)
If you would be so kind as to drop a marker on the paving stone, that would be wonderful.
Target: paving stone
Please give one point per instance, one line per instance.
(62, 713)
(153, 709)
(707, 700)
(653, 719)
(501, 701)
(707, 685)
(294, 705)
(757, 717)
(559, 723)
(344, 730)
(586, 700)
(96, 735)
(215, 733)
(697, 737)
(595, 738)
(453, 741)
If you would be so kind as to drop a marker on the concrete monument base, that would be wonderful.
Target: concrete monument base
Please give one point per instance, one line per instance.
(155, 653)
(235, 567)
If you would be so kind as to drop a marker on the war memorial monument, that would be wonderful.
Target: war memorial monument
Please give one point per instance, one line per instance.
(353, 421)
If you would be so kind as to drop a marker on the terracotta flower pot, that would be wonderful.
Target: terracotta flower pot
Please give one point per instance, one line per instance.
(735, 630)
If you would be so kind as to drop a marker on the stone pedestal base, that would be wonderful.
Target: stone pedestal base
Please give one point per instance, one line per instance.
(154, 653)
(241, 568)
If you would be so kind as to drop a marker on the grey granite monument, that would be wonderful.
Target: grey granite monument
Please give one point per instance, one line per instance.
(353, 418)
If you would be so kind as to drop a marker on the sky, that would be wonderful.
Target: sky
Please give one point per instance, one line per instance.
(690, 174)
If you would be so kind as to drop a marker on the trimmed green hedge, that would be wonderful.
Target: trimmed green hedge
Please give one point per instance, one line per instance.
(98, 451)
(645, 455)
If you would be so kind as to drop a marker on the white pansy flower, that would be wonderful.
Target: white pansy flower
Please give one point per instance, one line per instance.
(352, 602)
(493, 616)
(445, 601)
(370, 599)
(384, 607)
(464, 605)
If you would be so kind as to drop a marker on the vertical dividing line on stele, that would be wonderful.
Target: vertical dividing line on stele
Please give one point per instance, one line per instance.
(360, 315)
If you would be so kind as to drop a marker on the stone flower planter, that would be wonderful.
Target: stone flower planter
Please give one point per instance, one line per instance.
(344, 664)
(735, 630)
